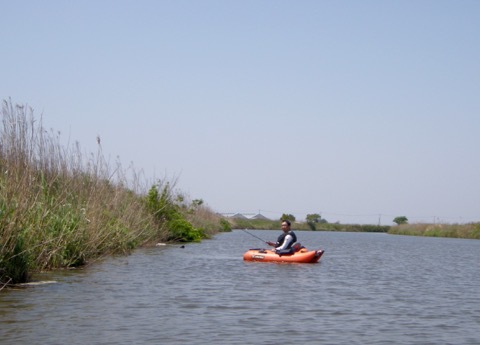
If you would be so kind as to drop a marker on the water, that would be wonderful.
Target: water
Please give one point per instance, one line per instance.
(367, 289)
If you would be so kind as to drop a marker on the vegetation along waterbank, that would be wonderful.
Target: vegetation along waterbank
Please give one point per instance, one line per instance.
(61, 208)
(467, 231)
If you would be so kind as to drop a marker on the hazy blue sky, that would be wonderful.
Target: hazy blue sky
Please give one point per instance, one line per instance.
(358, 110)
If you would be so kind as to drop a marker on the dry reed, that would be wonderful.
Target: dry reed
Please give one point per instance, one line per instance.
(60, 207)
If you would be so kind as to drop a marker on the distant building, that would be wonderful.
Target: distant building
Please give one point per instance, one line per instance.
(244, 216)
(239, 216)
(259, 216)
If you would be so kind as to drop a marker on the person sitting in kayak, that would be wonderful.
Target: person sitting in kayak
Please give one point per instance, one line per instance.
(286, 240)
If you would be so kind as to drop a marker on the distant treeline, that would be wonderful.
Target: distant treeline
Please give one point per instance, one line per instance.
(265, 224)
(470, 230)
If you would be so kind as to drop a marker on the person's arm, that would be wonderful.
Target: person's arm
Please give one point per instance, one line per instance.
(273, 244)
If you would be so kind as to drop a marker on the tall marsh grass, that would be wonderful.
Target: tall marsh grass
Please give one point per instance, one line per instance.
(61, 208)
(470, 230)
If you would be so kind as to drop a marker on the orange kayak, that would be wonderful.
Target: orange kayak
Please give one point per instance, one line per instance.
(266, 255)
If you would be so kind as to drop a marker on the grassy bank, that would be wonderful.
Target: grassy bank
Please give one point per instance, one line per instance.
(471, 230)
(62, 208)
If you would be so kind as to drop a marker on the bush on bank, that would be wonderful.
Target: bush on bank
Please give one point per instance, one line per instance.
(60, 208)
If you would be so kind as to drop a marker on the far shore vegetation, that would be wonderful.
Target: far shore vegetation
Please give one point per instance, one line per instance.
(61, 208)
(467, 231)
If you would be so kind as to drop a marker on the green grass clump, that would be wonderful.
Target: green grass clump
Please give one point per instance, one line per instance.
(168, 208)
(61, 208)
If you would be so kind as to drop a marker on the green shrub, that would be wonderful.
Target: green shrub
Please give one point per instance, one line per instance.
(182, 230)
(162, 204)
(225, 225)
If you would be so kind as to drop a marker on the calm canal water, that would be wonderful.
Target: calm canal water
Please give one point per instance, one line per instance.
(367, 289)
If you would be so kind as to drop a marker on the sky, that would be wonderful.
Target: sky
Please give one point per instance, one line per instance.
(360, 111)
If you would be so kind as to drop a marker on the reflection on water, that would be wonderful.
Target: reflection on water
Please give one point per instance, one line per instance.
(367, 289)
